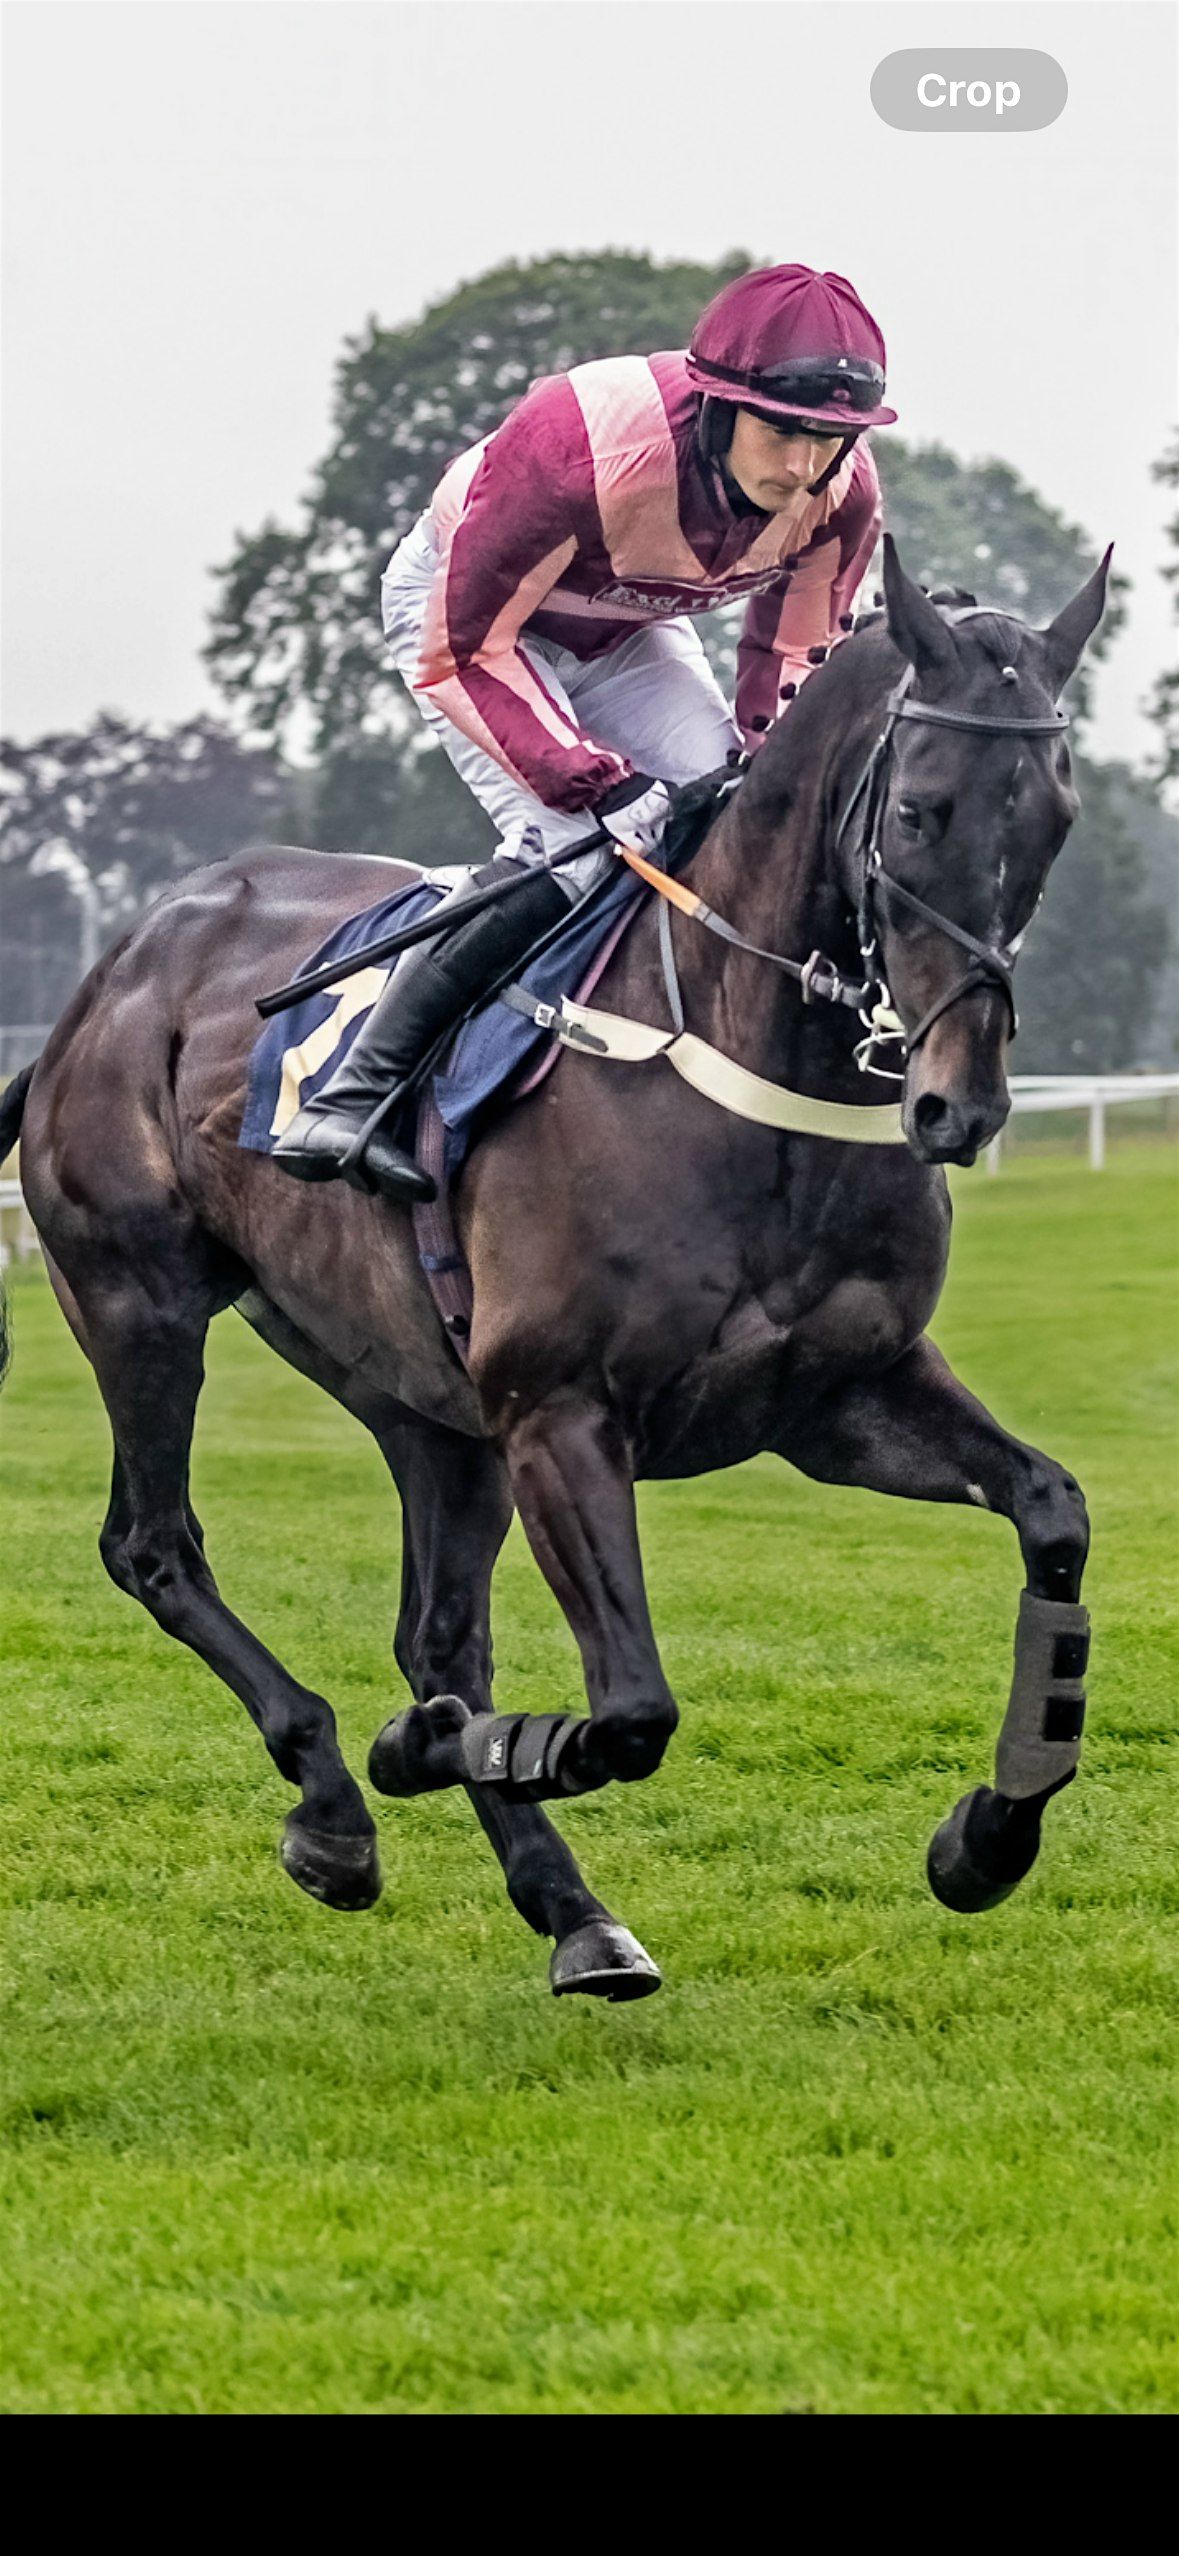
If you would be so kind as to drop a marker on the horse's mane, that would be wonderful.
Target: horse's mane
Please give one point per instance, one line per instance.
(1000, 634)
(939, 595)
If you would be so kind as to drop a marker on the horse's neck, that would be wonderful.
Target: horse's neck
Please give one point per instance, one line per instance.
(768, 881)
(776, 882)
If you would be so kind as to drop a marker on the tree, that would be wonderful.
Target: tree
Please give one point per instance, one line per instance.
(94, 822)
(296, 644)
(404, 801)
(1096, 965)
(296, 628)
(1164, 700)
(979, 525)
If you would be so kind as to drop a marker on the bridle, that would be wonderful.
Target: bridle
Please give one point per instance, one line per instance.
(818, 977)
(988, 967)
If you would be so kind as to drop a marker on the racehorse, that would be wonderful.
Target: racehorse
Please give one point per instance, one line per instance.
(660, 1287)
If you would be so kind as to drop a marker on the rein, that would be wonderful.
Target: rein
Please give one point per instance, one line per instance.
(819, 978)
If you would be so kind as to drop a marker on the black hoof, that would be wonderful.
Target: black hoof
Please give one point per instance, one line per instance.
(405, 1757)
(981, 1853)
(603, 1960)
(341, 1871)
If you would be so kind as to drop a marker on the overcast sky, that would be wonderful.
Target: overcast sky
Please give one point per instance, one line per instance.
(203, 197)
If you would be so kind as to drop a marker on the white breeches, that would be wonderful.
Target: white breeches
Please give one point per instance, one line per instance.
(654, 699)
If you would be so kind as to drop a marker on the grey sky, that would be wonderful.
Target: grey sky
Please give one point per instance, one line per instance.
(203, 197)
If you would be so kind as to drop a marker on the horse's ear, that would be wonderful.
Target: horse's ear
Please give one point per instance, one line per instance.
(915, 624)
(1072, 629)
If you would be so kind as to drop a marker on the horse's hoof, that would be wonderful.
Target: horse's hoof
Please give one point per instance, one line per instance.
(341, 1871)
(981, 1853)
(603, 1960)
(405, 1757)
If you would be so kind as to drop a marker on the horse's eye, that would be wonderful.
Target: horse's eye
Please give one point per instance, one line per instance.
(908, 817)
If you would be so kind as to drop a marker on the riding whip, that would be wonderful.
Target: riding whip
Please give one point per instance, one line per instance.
(692, 796)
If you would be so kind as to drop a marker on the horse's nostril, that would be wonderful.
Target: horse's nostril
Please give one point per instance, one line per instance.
(930, 1114)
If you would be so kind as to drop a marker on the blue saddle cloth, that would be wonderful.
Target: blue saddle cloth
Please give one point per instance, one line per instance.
(296, 1053)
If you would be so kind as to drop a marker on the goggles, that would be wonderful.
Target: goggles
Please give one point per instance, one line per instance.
(815, 381)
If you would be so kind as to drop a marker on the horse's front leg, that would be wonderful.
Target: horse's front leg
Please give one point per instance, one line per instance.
(916, 1432)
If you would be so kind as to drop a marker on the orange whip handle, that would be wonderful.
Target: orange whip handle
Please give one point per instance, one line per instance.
(673, 889)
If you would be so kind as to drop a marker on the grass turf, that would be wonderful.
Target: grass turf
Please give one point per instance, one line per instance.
(859, 2156)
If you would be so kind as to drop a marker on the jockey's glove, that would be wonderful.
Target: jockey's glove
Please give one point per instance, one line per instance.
(636, 811)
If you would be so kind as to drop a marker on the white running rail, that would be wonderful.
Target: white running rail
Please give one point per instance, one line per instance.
(1094, 1093)
(18, 1238)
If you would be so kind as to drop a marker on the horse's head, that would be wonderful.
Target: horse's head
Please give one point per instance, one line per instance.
(965, 824)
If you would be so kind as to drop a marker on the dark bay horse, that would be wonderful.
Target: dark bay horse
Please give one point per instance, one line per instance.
(660, 1288)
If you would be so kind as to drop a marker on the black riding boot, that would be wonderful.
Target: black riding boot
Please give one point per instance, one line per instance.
(340, 1132)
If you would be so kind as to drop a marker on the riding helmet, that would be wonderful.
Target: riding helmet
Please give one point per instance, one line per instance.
(791, 342)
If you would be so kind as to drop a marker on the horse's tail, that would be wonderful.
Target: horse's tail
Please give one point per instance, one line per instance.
(12, 1110)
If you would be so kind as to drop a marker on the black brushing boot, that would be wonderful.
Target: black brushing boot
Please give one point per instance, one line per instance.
(431, 987)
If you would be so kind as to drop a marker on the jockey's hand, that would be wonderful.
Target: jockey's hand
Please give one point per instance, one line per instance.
(637, 811)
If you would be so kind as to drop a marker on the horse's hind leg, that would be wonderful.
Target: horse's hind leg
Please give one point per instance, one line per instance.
(456, 1505)
(915, 1431)
(144, 1328)
(571, 1476)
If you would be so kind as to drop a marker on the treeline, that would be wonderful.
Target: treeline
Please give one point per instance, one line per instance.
(319, 744)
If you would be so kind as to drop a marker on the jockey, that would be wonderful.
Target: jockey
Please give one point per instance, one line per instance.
(540, 613)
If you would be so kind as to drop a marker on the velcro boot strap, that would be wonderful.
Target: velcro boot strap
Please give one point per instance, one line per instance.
(1040, 1741)
(527, 1757)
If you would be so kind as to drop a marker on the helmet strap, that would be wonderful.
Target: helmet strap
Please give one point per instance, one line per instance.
(715, 427)
(817, 486)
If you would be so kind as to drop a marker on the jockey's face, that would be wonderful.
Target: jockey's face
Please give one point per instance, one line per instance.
(771, 463)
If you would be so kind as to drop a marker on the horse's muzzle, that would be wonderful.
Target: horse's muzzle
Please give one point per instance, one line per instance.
(942, 1129)
(955, 1097)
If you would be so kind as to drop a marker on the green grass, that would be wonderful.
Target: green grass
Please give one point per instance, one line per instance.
(859, 2156)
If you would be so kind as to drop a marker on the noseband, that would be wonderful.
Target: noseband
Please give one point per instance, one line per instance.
(987, 966)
